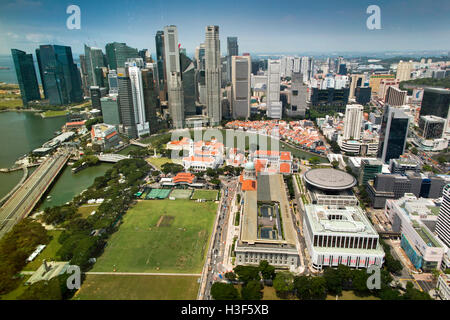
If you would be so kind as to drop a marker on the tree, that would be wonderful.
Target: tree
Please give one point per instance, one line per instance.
(335, 164)
(267, 271)
(314, 160)
(333, 281)
(247, 273)
(415, 294)
(224, 291)
(252, 290)
(230, 276)
(414, 150)
(283, 283)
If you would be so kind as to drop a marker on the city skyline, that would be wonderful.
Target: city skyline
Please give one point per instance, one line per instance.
(266, 28)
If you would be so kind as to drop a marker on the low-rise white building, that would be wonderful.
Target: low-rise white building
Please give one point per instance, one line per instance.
(340, 235)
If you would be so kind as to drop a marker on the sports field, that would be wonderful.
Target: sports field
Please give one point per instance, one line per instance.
(160, 236)
(205, 195)
(181, 193)
(158, 194)
(138, 287)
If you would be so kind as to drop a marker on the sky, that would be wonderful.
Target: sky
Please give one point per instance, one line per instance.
(262, 26)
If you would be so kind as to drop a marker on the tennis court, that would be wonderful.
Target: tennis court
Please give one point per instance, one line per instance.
(181, 193)
(158, 194)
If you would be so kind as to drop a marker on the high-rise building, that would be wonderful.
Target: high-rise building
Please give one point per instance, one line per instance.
(375, 80)
(232, 50)
(60, 76)
(95, 93)
(307, 68)
(404, 70)
(443, 220)
(126, 107)
(94, 60)
(213, 75)
(356, 80)
(431, 127)
(188, 78)
(363, 95)
(137, 90)
(173, 73)
(84, 75)
(395, 96)
(110, 110)
(384, 86)
(145, 55)
(112, 82)
(436, 102)
(160, 56)
(26, 76)
(118, 53)
(393, 133)
(150, 89)
(240, 75)
(297, 96)
(353, 121)
(274, 106)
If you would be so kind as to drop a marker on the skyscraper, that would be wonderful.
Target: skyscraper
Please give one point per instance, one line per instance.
(150, 88)
(110, 110)
(404, 70)
(393, 133)
(112, 82)
(173, 73)
(213, 75)
(307, 68)
(118, 53)
(94, 60)
(160, 56)
(126, 107)
(274, 106)
(353, 121)
(60, 74)
(443, 220)
(240, 75)
(298, 95)
(436, 102)
(137, 90)
(188, 75)
(232, 50)
(26, 76)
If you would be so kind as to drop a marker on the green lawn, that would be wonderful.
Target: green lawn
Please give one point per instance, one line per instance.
(158, 162)
(350, 295)
(205, 194)
(12, 295)
(10, 103)
(131, 287)
(86, 210)
(177, 245)
(54, 113)
(49, 253)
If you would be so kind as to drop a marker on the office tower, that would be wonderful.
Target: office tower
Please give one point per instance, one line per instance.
(443, 220)
(188, 77)
(356, 80)
(375, 80)
(431, 127)
(395, 96)
(173, 73)
(385, 84)
(126, 107)
(160, 56)
(393, 133)
(369, 169)
(337, 64)
(436, 102)
(324, 98)
(137, 89)
(404, 70)
(60, 74)
(110, 110)
(84, 75)
(112, 82)
(41, 72)
(150, 89)
(298, 96)
(26, 76)
(145, 55)
(307, 68)
(176, 100)
(232, 50)
(342, 69)
(213, 75)
(118, 53)
(94, 60)
(240, 75)
(273, 89)
(95, 94)
(353, 121)
(363, 95)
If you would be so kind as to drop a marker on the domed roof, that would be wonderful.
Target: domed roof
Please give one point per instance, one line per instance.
(249, 166)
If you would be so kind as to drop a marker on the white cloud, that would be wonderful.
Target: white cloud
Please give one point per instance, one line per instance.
(38, 37)
(13, 35)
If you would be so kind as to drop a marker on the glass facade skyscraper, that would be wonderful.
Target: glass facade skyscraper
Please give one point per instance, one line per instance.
(94, 62)
(232, 50)
(393, 133)
(60, 75)
(118, 53)
(26, 76)
(162, 77)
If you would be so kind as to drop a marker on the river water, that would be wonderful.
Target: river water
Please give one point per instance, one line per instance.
(20, 133)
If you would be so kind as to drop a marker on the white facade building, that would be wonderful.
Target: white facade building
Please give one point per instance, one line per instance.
(274, 105)
(213, 73)
(443, 221)
(137, 91)
(353, 121)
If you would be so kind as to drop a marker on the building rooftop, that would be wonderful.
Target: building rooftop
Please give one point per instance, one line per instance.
(329, 179)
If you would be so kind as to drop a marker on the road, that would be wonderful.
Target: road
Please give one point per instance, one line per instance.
(216, 255)
(22, 202)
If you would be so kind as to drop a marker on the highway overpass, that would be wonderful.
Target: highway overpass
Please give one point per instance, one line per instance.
(22, 202)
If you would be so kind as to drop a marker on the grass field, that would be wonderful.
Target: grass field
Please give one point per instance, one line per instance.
(181, 193)
(140, 246)
(86, 210)
(54, 113)
(350, 295)
(132, 287)
(205, 194)
(49, 253)
(13, 295)
(10, 103)
(158, 162)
